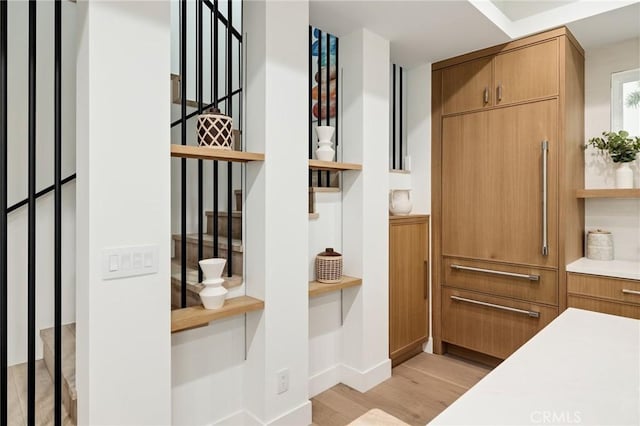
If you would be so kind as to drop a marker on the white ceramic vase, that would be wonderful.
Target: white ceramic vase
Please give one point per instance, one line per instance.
(624, 176)
(400, 202)
(325, 152)
(213, 294)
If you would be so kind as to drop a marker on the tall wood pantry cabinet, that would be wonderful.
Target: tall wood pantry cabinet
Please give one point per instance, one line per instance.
(507, 137)
(408, 286)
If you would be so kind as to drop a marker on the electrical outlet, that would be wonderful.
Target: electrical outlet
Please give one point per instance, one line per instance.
(283, 380)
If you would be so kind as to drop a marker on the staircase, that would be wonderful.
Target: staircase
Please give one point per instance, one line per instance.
(69, 394)
(237, 252)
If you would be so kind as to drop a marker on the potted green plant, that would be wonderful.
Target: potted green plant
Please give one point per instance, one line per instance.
(622, 149)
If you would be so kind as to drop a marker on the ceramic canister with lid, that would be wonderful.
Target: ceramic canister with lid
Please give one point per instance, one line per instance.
(599, 245)
(329, 266)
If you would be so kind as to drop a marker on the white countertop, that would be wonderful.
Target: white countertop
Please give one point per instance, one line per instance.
(611, 268)
(583, 368)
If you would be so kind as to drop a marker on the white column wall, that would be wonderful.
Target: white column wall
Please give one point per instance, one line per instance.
(365, 58)
(276, 204)
(123, 198)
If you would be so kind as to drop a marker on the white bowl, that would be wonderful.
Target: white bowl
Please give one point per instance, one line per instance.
(213, 297)
(212, 268)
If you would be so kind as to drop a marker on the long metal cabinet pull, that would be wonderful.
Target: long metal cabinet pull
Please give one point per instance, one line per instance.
(486, 95)
(499, 94)
(532, 314)
(545, 195)
(531, 277)
(627, 291)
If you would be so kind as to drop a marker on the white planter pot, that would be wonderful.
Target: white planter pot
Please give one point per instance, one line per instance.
(325, 152)
(212, 270)
(624, 176)
(400, 202)
(213, 297)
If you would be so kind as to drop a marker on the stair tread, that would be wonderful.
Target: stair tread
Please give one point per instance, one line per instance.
(207, 240)
(233, 213)
(192, 278)
(68, 353)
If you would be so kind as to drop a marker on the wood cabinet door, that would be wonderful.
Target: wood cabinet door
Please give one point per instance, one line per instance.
(492, 184)
(467, 86)
(408, 286)
(527, 73)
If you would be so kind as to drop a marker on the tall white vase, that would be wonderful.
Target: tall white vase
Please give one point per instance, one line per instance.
(325, 152)
(624, 176)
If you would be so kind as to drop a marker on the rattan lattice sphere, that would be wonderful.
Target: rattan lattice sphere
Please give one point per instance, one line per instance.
(214, 130)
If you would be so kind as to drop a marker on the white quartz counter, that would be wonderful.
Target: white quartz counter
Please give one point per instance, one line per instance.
(612, 268)
(583, 368)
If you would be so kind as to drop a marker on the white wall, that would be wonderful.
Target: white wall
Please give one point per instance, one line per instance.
(622, 217)
(123, 347)
(18, 171)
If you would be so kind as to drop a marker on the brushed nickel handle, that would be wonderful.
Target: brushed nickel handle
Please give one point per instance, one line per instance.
(627, 291)
(545, 195)
(532, 314)
(426, 279)
(499, 92)
(530, 277)
(486, 95)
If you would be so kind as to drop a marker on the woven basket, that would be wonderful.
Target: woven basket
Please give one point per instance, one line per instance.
(214, 130)
(329, 267)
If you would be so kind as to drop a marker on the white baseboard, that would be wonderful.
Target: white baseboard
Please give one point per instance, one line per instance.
(235, 419)
(428, 347)
(324, 380)
(298, 416)
(362, 381)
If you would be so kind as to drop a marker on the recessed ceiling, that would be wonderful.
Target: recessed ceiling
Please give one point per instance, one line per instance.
(422, 31)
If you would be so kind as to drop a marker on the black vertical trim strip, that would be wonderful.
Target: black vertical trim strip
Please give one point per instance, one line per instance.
(211, 98)
(328, 103)
(319, 173)
(183, 161)
(199, 84)
(393, 119)
(400, 120)
(230, 114)
(216, 173)
(337, 90)
(310, 76)
(57, 376)
(3, 215)
(31, 235)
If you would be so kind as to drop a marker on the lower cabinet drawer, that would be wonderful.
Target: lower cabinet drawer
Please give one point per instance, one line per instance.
(491, 325)
(614, 289)
(604, 306)
(518, 282)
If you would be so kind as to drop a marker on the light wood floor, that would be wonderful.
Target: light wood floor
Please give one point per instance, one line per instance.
(17, 389)
(418, 391)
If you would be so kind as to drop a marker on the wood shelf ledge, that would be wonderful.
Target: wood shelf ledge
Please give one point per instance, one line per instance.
(205, 153)
(317, 288)
(198, 316)
(333, 166)
(608, 193)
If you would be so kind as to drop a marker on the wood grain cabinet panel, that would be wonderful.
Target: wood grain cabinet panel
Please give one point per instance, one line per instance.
(604, 306)
(615, 296)
(519, 282)
(526, 74)
(467, 86)
(492, 174)
(408, 286)
(495, 330)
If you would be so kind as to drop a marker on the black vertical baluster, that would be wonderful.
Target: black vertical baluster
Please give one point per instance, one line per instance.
(183, 161)
(328, 103)
(400, 120)
(310, 65)
(229, 113)
(337, 94)
(319, 173)
(31, 247)
(393, 119)
(57, 376)
(3, 214)
(199, 72)
(216, 173)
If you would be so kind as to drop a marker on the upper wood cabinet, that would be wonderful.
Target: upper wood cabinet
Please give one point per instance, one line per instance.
(467, 86)
(527, 73)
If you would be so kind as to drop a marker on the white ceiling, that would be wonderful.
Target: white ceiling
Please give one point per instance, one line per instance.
(426, 31)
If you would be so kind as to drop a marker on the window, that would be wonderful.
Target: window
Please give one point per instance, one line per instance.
(625, 101)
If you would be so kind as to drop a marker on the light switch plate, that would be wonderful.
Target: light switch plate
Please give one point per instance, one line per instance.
(130, 261)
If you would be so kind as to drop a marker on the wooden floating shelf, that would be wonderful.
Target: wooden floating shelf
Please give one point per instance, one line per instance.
(198, 316)
(608, 193)
(324, 189)
(317, 288)
(333, 166)
(204, 153)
